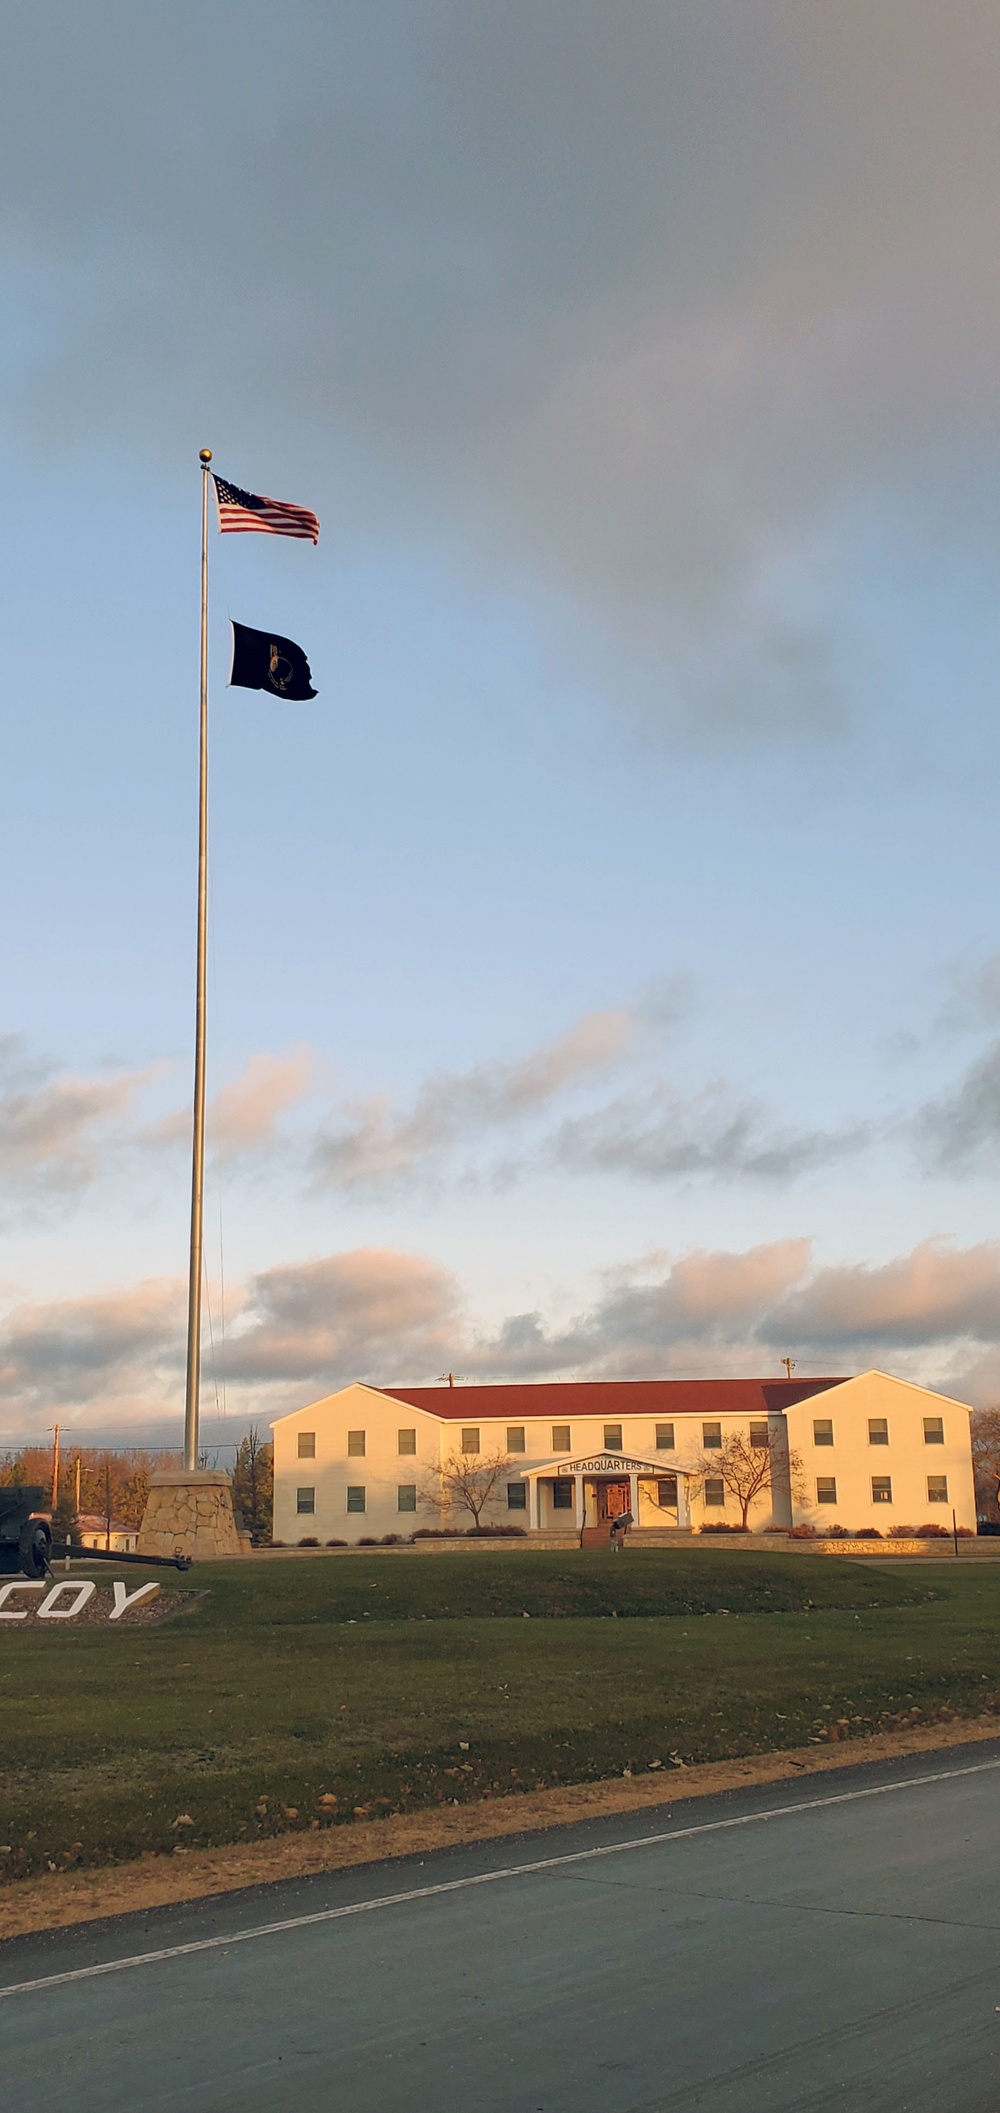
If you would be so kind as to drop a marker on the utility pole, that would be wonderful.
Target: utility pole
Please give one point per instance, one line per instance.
(55, 1466)
(789, 1364)
(77, 1465)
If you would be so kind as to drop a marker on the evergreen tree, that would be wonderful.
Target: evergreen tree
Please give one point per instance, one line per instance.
(253, 1485)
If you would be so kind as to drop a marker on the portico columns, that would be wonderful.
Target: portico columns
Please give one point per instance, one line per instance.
(683, 1512)
(633, 1497)
(578, 1499)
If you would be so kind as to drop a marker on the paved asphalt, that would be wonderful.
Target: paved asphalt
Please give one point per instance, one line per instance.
(827, 1943)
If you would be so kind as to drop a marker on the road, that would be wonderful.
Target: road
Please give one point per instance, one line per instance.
(833, 1942)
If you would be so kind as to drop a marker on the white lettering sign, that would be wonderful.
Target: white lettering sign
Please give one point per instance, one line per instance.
(124, 1598)
(81, 1588)
(17, 1584)
(609, 1464)
(71, 1596)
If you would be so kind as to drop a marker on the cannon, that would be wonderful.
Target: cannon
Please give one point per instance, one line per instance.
(25, 1539)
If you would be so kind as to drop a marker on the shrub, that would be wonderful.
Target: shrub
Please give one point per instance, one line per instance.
(279, 1544)
(438, 1533)
(368, 1540)
(965, 1533)
(802, 1533)
(337, 1544)
(932, 1532)
(494, 1533)
(392, 1540)
(901, 1533)
(309, 1541)
(836, 1533)
(867, 1533)
(721, 1526)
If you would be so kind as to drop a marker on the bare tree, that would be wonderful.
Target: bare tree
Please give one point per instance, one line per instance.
(468, 1480)
(985, 1431)
(748, 1471)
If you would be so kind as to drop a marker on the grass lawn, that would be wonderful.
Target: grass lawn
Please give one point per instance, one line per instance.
(387, 1683)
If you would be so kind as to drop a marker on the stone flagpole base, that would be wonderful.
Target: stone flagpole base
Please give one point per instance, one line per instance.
(189, 1511)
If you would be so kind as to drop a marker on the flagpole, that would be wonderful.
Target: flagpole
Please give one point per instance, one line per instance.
(193, 1388)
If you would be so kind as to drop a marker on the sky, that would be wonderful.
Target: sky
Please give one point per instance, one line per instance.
(605, 967)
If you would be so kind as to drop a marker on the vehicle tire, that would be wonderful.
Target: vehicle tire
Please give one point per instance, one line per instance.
(33, 1548)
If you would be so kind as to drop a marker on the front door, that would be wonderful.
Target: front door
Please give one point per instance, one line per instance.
(612, 1499)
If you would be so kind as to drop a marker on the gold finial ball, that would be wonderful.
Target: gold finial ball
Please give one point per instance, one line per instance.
(206, 455)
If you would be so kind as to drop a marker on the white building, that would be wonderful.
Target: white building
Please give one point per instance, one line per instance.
(95, 1533)
(862, 1452)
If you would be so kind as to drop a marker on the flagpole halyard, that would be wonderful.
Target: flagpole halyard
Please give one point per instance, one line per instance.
(193, 1385)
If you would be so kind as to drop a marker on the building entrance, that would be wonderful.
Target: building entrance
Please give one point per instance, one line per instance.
(612, 1499)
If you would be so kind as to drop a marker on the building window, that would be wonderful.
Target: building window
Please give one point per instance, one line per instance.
(515, 1438)
(881, 1489)
(307, 1445)
(937, 1489)
(664, 1438)
(759, 1436)
(305, 1501)
(517, 1496)
(612, 1438)
(826, 1489)
(406, 1441)
(715, 1491)
(822, 1430)
(355, 1445)
(711, 1437)
(562, 1496)
(560, 1438)
(406, 1496)
(470, 1438)
(356, 1496)
(878, 1430)
(933, 1430)
(666, 1493)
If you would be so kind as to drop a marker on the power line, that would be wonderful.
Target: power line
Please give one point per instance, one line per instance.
(122, 1441)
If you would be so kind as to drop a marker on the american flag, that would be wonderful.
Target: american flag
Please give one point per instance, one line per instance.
(240, 512)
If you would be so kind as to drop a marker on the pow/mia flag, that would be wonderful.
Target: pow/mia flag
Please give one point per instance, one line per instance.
(264, 661)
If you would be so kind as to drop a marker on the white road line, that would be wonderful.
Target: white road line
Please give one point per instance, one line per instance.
(482, 1878)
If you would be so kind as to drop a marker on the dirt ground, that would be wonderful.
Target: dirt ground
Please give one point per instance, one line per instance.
(66, 1898)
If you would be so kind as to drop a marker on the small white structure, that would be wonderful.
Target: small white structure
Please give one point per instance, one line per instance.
(872, 1451)
(95, 1533)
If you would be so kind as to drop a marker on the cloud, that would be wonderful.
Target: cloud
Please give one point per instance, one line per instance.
(116, 1351)
(932, 1315)
(640, 304)
(699, 1311)
(973, 999)
(52, 1128)
(656, 1135)
(346, 1316)
(935, 1295)
(305, 1328)
(376, 1145)
(956, 1132)
(244, 1116)
(117, 1358)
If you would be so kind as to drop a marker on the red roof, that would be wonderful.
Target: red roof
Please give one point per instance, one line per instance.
(613, 1398)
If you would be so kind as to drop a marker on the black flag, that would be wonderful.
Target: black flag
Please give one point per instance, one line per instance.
(263, 661)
